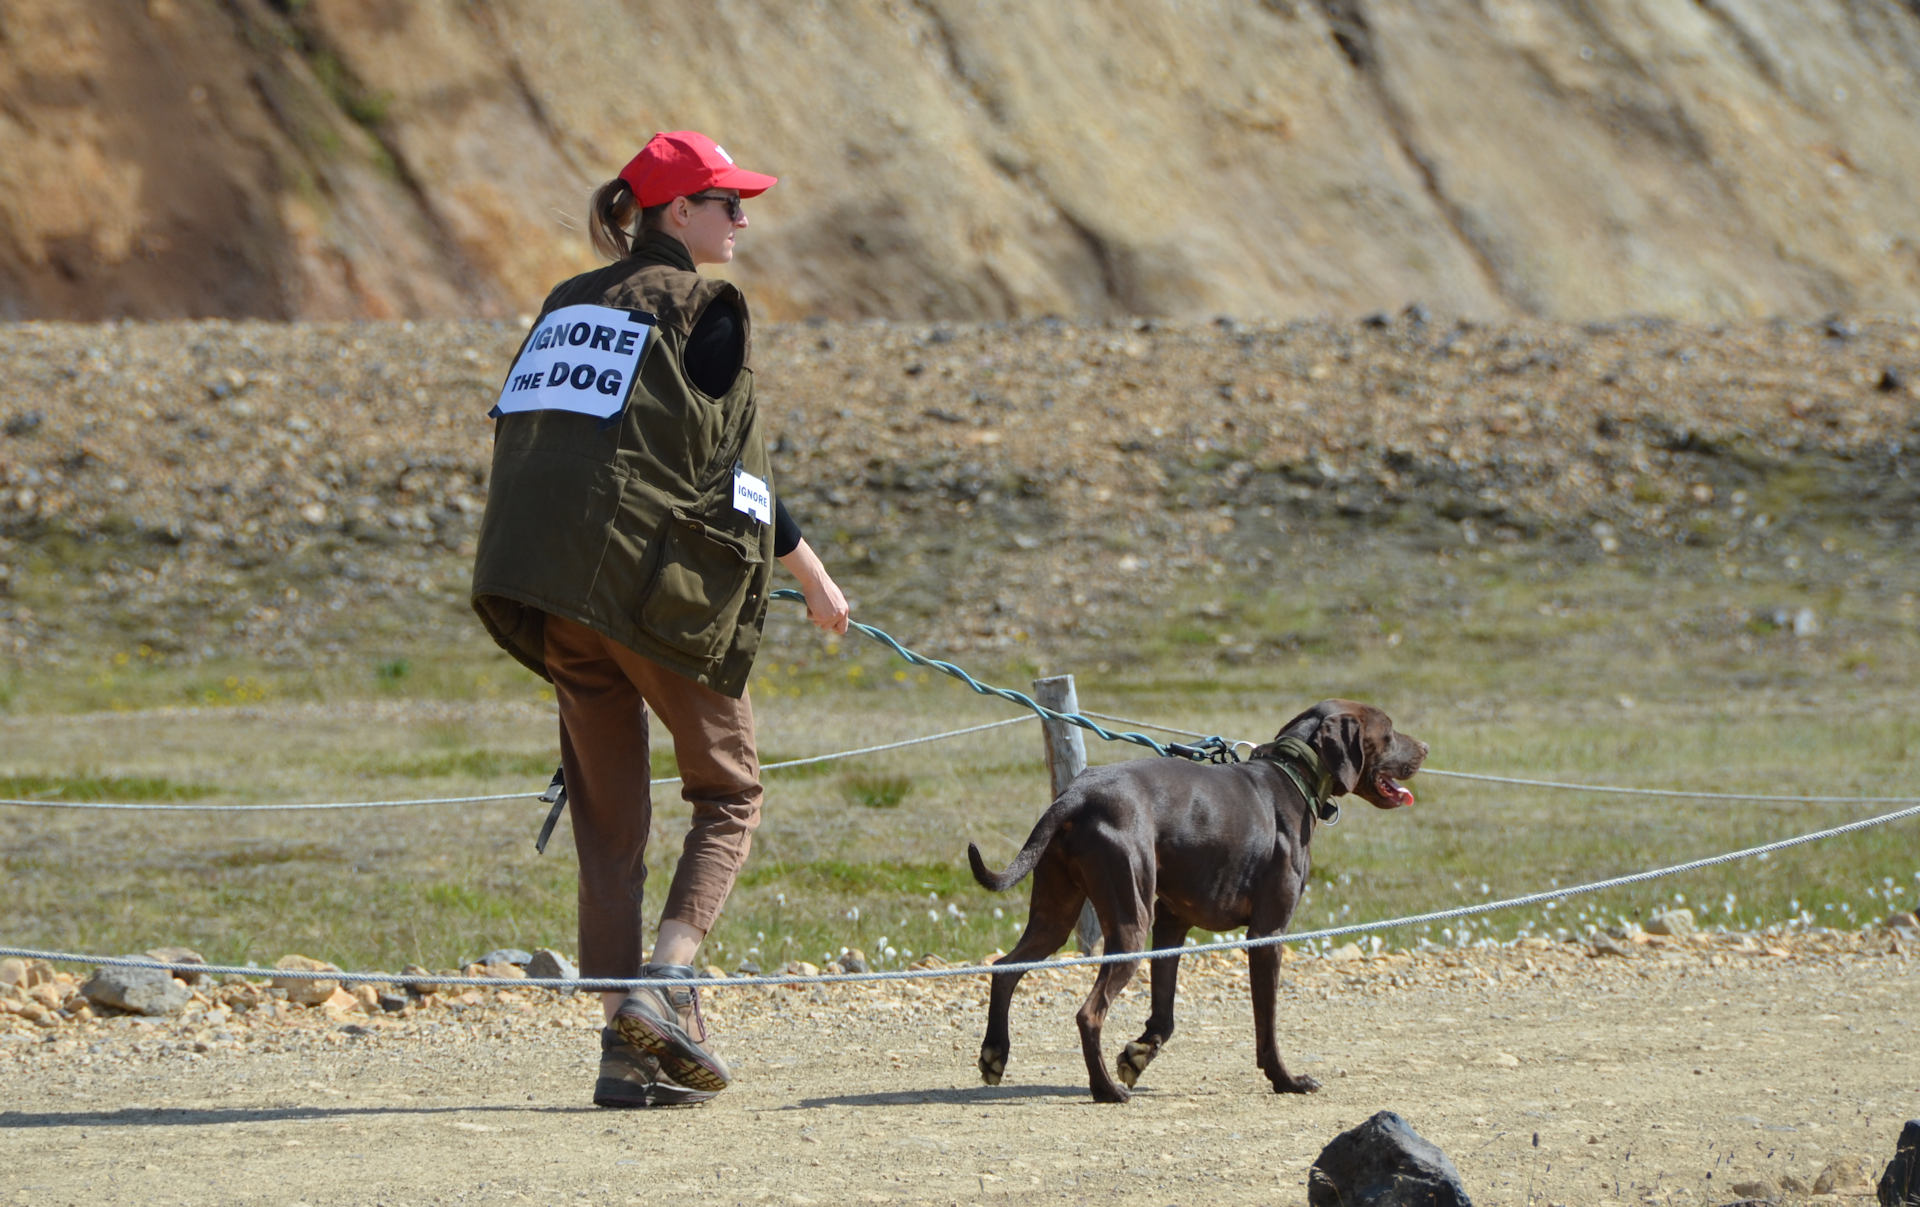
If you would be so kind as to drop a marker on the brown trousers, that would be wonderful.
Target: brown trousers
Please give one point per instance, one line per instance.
(604, 690)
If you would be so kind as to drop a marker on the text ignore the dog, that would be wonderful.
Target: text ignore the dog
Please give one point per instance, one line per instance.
(580, 358)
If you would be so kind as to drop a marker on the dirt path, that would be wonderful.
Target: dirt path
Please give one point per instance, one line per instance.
(1547, 1075)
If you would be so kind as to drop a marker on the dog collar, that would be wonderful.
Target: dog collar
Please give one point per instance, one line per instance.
(1303, 765)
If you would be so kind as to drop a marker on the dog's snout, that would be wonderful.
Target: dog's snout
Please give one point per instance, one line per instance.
(1406, 754)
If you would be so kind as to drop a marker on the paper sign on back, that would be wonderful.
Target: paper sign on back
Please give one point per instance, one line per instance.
(579, 358)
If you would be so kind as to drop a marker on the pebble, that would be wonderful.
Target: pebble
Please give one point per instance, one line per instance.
(1607, 945)
(423, 986)
(1676, 923)
(304, 991)
(150, 991)
(181, 955)
(1847, 1175)
(547, 964)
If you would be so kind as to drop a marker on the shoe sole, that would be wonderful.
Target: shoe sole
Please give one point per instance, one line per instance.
(691, 1067)
(625, 1095)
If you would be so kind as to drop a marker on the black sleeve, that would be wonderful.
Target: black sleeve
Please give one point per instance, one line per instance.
(716, 348)
(786, 532)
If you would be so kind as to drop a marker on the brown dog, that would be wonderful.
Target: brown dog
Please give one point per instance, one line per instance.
(1165, 845)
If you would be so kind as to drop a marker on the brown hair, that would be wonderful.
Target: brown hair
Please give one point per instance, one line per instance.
(614, 218)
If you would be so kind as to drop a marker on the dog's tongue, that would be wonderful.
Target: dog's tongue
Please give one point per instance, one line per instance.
(1397, 791)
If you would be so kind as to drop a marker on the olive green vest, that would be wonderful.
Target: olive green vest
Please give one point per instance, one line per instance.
(628, 525)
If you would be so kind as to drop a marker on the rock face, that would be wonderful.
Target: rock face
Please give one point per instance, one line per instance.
(951, 159)
(1384, 1163)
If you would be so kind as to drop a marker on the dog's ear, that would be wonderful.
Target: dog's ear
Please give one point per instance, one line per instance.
(1338, 743)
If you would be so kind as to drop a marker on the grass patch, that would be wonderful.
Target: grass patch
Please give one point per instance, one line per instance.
(1510, 661)
(276, 854)
(841, 876)
(468, 765)
(140, 789)
(876, 791)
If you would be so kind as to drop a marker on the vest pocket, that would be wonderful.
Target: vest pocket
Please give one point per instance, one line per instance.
(697, 586)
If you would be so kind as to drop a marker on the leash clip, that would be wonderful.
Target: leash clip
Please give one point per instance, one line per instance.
(555, 795)
(1215, 749)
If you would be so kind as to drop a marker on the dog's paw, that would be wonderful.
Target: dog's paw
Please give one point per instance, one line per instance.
(992, 1067)
(1110, 1093)
(1133, 1061)
(1302, 1084)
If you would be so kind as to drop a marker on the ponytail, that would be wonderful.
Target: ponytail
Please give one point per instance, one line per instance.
(609, 215)
(614, 219)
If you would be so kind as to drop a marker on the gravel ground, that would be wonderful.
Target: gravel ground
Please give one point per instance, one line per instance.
(1697, 1071)
(216, 488)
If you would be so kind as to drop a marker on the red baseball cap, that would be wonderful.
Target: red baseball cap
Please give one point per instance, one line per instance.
(681, 162)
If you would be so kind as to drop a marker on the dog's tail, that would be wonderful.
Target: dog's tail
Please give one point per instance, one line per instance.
(1022, 863)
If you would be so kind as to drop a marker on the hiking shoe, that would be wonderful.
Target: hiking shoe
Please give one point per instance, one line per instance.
(668, 1025)
(630, 1078)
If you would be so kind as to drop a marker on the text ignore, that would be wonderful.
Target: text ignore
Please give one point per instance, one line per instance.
(579, 358)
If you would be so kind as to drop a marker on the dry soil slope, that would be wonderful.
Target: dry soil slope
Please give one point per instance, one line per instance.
(956, 159)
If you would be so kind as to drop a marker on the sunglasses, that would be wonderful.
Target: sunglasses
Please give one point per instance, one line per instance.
(732, 203)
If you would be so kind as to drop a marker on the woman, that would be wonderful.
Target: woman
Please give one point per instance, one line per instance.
(626, 554)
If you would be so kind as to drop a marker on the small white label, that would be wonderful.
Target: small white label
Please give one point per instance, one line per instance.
(750, 495)
(580, 358)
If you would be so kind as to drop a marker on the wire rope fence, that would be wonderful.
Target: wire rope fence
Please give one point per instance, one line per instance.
(1330, 932)
(1209, 748)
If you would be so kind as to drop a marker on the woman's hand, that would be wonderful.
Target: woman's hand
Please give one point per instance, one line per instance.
(826, 605)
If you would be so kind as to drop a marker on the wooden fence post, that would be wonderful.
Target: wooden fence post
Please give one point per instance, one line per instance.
(1066, 758)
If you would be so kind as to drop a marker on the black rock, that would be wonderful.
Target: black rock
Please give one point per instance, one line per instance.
(507, 955)
(1900, 1184)
(1384, 1163)
(1892, 381)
